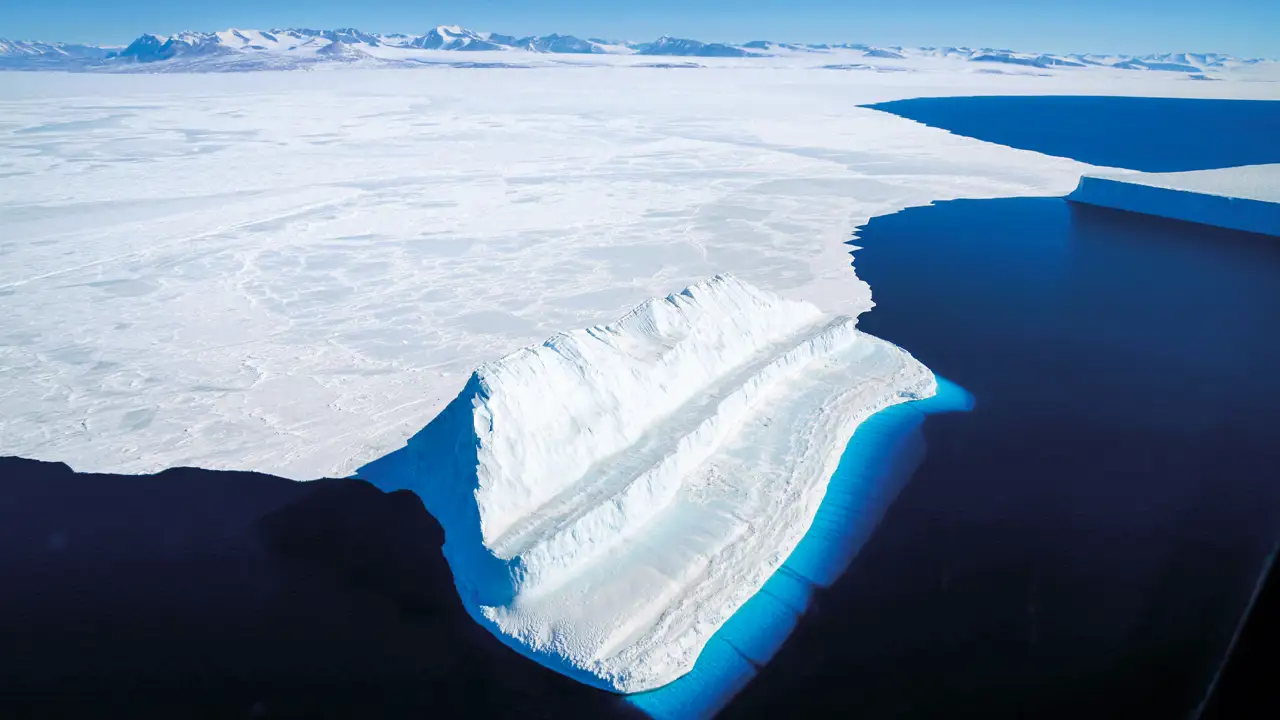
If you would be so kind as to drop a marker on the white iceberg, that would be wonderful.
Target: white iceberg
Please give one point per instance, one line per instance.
(1237, 198)
(612, 496)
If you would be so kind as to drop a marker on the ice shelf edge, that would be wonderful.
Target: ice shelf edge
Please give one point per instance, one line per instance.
(1137, 194)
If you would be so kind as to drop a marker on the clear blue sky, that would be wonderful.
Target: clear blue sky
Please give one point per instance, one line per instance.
(1244, 27)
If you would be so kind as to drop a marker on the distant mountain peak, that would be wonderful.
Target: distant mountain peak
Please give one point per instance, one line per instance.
(684, 47)
(454, 37)
(245, 49)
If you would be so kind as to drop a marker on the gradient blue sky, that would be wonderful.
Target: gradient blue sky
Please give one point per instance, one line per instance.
(1243, 27)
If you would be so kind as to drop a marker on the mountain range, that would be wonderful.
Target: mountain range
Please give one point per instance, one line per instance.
(297, 48)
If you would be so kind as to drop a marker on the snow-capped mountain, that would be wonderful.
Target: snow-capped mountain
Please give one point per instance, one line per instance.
(452, 37)
(884, 53)
(33, 49)
(152, 48)
(1140, 64)
(300, 48)
(301, 41)
(343, 51)
(1011, 58)
(689, 48)
(349, 36)
(560, 44)
(14, 53)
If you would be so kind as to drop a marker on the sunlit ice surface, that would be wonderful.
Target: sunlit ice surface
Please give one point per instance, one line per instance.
(876, 464)
(611, 497)
(293, 272)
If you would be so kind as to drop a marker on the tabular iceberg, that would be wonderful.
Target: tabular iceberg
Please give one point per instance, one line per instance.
(612, 496)
(1243, 198)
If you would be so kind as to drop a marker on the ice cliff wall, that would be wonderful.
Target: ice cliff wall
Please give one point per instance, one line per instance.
(1240, 198)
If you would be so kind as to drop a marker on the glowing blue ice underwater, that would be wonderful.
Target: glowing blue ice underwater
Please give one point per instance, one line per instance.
(884, 451)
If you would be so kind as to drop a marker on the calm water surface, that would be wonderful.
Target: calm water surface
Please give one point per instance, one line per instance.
(1149, 134)
(1084, 541)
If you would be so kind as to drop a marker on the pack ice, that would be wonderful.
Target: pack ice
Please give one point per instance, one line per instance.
(612, 496)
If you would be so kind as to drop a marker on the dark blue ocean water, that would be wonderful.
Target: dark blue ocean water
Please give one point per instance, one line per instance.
(1084, 541)
(1071, 549)
(1150, 134)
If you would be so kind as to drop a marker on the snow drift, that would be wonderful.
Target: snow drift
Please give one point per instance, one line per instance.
(611, 497)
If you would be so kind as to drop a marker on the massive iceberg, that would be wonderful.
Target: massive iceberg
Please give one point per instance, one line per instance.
(1237, 198)
(612, 496)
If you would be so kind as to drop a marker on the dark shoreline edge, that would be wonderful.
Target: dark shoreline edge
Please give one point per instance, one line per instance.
(232, 594)
(206, 594)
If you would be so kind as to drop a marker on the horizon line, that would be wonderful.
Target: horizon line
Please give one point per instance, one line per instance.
(731, 43)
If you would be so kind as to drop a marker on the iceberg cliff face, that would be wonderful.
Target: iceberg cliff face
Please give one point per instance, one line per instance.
(610, 497)
(1243, 198)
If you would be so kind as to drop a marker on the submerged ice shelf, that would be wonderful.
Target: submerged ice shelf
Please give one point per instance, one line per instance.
(1237, 198)
(611, 497)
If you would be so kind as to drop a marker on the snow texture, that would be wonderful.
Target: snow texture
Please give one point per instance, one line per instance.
(612, 496)
(1238, 198)
(295, 272)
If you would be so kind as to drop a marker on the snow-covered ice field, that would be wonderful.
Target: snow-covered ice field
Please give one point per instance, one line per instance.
(294, 272)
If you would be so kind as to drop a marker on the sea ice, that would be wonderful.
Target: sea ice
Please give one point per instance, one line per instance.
(612, 496)
(294, 272)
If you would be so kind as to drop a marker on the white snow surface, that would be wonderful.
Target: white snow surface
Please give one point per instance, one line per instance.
(612, 496)
(295, 272)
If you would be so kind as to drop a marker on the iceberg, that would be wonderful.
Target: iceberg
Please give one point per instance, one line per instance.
(1237, 198)
(611, 497)
(877, 463)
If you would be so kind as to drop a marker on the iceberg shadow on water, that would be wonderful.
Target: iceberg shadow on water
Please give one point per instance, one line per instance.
(884, 451)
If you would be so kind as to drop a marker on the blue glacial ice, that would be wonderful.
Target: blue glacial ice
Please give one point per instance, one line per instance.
(879, 459)
(1237, 198)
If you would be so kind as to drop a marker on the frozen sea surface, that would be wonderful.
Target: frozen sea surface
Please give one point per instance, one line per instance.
(293, 272)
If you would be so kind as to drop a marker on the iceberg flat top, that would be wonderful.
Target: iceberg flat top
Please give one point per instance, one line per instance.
(1248, 182)
(612, 496)
(1243, 198)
